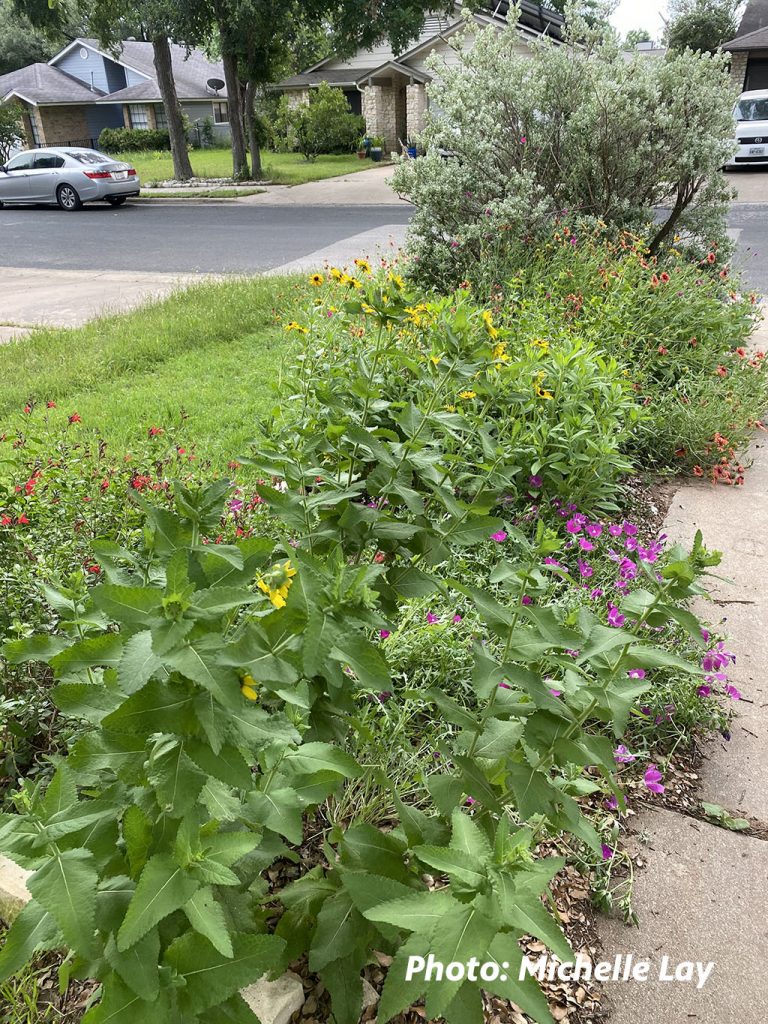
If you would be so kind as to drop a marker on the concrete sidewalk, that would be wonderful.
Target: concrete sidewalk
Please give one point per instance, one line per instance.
(704, 893)
(360, 188)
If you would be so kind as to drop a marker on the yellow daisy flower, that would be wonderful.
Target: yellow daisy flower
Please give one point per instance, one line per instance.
(541, 343)
(500, 352)
(277, 582)
(364, 265)
(336, 274)
(397, 281)
(293, 326)
(435, 360)
(317, 280)
(467, 395)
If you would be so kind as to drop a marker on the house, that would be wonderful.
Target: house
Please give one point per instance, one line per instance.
(390, 89)
(84, 88)
(749, 50)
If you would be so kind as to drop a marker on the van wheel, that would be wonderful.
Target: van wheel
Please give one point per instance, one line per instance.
(67, 198)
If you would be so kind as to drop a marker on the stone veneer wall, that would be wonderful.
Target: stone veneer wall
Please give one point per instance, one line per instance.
(416, 108)
(739, 69)
(380, 113)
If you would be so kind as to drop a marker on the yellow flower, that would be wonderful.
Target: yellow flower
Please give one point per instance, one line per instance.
(293, 326)
(435, 360)
(397, 281)
(450, 408)
(364, 265)
(353, 282)
(500, 352)
(277, 582)
(541, 343)
(317, 280)
(336, 274)
(368, 308)
(540, 393)
(488, 321)
(467, 394)
(248, 687)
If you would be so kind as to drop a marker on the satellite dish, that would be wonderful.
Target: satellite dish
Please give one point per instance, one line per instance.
(215, 84)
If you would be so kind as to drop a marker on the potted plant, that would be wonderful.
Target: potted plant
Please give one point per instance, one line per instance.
(412, 146)
(377, 148)
(363, 148)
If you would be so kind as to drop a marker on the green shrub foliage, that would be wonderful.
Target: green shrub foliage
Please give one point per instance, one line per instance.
(323, 125)
(134, 140)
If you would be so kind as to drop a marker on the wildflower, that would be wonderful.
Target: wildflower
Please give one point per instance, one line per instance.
(606, 851)
(397, 281)
(248, 687)
(636, 673)
(622, 756)
(615, 618)
(597, 592)
(574, 525)
(435, 360)
(500, 352)
(614, 530)
(456, 620)
(50, 405)
(155, 431)
(487, 318)
(363, 265)
(27, 409)
(732, 692)
(467, 395)
(630, 529)
(585, 569)
(535, 481)
(75, 418)
(611, 804)
(652, 779)
(741, 353)
(336, 274)
(95, 568)
(293, 326)
(663, 351)
(277, 582)
(698, 471)
(432, 619)
(500, 536)
(22, 520)
(383, 634)
(594, 530)
(470, 801)
(665, 277)
(654, 281)
(6, 521)
(526, 600)
(704, 691)
(317, 280)
(711, 258)
(586, 545)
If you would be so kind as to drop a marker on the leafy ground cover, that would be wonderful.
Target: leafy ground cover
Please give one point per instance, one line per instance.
(393, 675)
(282, 168)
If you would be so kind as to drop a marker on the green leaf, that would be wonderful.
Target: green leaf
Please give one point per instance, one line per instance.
(410, 582)
(320, 636)
(498, 739)
(66, 888)
(138, 663)
(369, 890)
(228, 764)
(366, 661)
(339, 931)
(176, 778)
(90, 701)
(214, 603)
(33, 929)
(119, 1005)
(398, 994)
(94, 650)
(34, 648)
(369, 848)
(162, 888)
(455, 863)
(200, 663)
(137, 835)
(281, 810)
(134, 606)
(420, 912)
(206, 916)
(157, 707)
(316, 757)
(61, 792)
(211, 978)
(258, 727)
(344, 983)
(137, 966)
(465, 933)
(527, 994)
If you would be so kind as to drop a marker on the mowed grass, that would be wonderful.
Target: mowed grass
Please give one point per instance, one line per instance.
(201, 364)
(283, 168)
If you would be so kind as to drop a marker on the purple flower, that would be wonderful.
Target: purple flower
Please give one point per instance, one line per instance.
(597, 592)
(622, 756)
(535, 481)
(627, 569)
(606, 851)
(636, 673)
(614, 530)
(526, 599)
(732, 692)
(504, 686)
(631, 544)
(573, 526)
(432, 619)
(586, 545)
(705, 634)
(615, 618)
(594, 530)
(470, 801)
(384, 633)
(652, 779)
(235, 505)
(611, 804)
(556, 693)
(456, 620)
(704, 691)
(500, 536)
(630, 529)
(585, 569)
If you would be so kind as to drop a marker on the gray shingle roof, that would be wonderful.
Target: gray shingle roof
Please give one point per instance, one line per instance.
(756, 40)
(191, 73)
(41, 83)
(755, 17)
(336, 76)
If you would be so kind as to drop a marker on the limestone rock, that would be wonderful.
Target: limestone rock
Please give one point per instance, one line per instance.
(14, 894)
(275, 1002)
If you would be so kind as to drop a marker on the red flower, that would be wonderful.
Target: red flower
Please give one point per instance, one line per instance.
(741, 353)
(94, 568)
(721, 371)
(681, 453)
(665, 277)
(693, 343)
(663, 351)
(50, 405)
(27, 409)
(22, 520)
(104, 484)
(75, 418)
(155, 431)
(654, 281)
(698, 471)
(711, 258)
(724, 273)
(6, 521)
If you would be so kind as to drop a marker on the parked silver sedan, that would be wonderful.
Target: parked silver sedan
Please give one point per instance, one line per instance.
(68, 176)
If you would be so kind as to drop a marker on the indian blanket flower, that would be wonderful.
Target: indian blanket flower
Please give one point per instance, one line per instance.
(615, 618)
(500, 536)
(277, 582)
(622, 756)
(652, 779)
(75, 418)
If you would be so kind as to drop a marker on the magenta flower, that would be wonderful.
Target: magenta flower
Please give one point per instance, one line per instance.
(606, 851)
(555, 564)
(705, 634)
(732, 692)
(615, 618)
(594, 530)
(586, 545)
(631, 543)
(704, 691)
(597, 592)
(504, 686)
(573, 525)
(456, 619)
(535, 481)
(611, 804)
(630, 529)
(432, 619)
(526, 599)
(470, 801)
(627, 569)
(384, 633)
(652, 779)
(622, 756)
(556, 693)
(614, 530)
(585, 569)
(636, 673)
(500, 536)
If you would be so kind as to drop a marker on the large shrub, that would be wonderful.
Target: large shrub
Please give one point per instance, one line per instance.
(134, 140)
(322, 125)
(11, 129)
(520, 137)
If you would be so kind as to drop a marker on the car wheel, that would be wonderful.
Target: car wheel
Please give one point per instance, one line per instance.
(116, 200)
(67, 198)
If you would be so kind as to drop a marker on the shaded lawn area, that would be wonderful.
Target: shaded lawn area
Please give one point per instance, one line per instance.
(201, 364)
(283, 168)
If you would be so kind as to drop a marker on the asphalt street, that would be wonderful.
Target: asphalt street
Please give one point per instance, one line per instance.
(222, 238)
(749, 226)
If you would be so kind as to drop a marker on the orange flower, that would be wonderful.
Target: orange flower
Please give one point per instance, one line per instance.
(654, 281)
(741, 353)
(698, 471)
(665, 277)
(721, 371)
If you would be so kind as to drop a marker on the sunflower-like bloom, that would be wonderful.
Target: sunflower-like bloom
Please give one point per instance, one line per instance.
(293, 326)
(317, 280)
(277, 582)
(487, 316)
(363, 265)
(248, 687)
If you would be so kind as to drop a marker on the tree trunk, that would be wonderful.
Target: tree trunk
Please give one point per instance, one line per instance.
(235, 108)
(253, 134)
(182, 168)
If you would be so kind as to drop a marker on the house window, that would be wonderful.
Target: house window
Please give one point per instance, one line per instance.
(220, 113)
(139, 115)
(160, 119)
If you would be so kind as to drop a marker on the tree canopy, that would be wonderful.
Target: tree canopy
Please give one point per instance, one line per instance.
(702, 25)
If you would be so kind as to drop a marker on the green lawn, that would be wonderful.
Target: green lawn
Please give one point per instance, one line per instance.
(284, 168)
(200, 364)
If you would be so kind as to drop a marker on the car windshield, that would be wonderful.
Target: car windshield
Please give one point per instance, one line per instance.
(752, 110)
(89, 157)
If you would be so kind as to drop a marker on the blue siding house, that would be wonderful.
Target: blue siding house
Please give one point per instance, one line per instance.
(84, 89)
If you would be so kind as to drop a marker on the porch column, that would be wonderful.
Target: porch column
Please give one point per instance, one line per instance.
(380, 113)
(416, 107)
(739, 69)
(126, 116)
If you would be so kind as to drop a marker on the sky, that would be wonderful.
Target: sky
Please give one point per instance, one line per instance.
(640, 14)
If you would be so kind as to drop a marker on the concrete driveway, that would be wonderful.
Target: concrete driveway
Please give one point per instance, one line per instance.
(751, 184)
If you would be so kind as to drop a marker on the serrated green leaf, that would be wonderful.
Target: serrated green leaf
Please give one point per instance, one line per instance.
(162, 888)
(345, 985)
(138, 663)
(66, 888)
(93, 650)
(157, 707)
(280, 810)
(320, 636)
(32, 930)
(417, 913)
(315, 757)
(227, 764)
(135, 606)
(340, 929)
(137, 966)
(206, 916)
